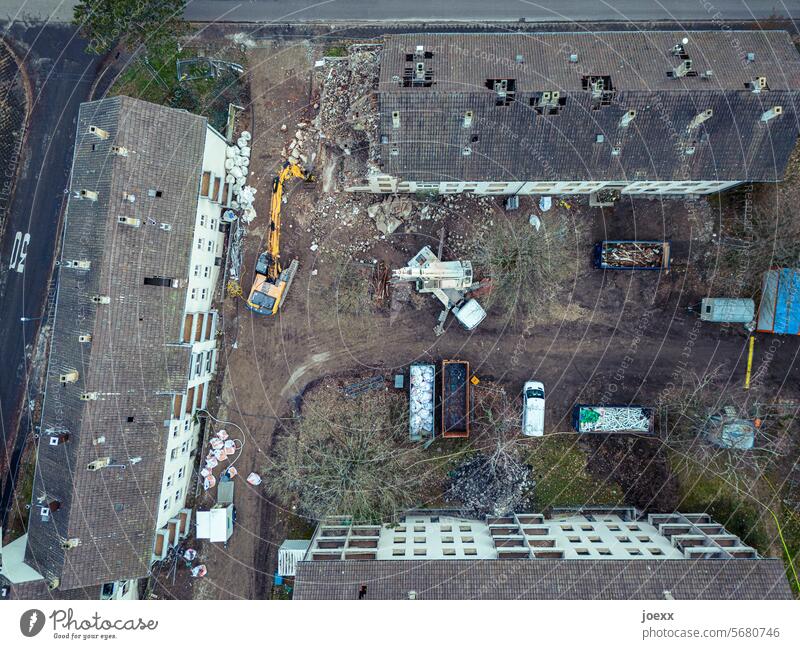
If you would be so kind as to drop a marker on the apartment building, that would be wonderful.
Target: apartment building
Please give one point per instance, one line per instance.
(133, 349)
(642, 113)
(590, 553)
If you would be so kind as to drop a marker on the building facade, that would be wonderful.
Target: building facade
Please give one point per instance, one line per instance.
(642, 113)
(590, 553)
(133, 349)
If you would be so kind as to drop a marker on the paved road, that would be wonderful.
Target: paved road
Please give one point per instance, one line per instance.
(62, 74)
(439, 10)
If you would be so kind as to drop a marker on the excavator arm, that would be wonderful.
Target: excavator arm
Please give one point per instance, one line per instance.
(271, 283)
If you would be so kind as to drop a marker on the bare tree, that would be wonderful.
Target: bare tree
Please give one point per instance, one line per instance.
(349, 456)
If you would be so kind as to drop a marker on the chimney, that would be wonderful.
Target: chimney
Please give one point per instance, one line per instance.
(468, 119)
(700, 118)
(775, 111)
(69, 377)
(758, 84)
(99, 132)
(396, 119)
(627, 118)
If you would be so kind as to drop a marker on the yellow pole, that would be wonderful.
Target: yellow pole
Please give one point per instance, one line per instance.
(749, 364)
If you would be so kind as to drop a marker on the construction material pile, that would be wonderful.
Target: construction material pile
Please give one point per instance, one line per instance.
(420, 401)
(599, 419)
(632, 253)
(237, 165)
(302, 149)
(348, 109)
(487, 487)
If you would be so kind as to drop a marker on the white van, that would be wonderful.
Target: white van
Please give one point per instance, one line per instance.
(533, 409)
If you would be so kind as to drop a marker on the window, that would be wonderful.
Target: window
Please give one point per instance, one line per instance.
(399, 539)
(198, 363)
(574, 539)
(210, 245)
(623, 539)
(175, 431)
(582, 551)
(203, 293)
(130, 420)
(567, 528)
(447, 528)
(178, 495)
(603, 551)
(158, 281)
(634, 552)
(197, 270)
(447, 539)
(419, 528)
(613, 528)
(449, 552)
(194, 293)
(634, 528)
(398, 552)
(165, 504)
(169, 481)
(186, 423)
(468, 539)
(643, 539)
(202, 220)
(174, 454)
(470, 552)
(181, 472)
(655, 551)
(420, 552)
(213, 224)
(594, 539)
(419, 539)
(155, 193)
(206, 271)
(184, 447)
(401, 529)
(200, 243)
(587, 528)
(464, 528)
(209, 356)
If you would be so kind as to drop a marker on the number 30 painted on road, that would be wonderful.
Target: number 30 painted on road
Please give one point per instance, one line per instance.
(19, 252)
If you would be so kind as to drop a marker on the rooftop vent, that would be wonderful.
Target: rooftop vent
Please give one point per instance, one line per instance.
(127, 220)
(81, 264)
(772, 113)
(99, 132)
(505, 90)
(548, 102)
(70, 543)
(627, 118)
(101, 299)
(467, 119)
(395, 119)
(466, 151)
(165, 226)
(700, 118)
(573, 58)
(69, 377)
(418, 72)
(601, 88)
(85, 338)
(684, 68)
(757, 85)
(120, 151)
(55, 440)
(88, 194)
(751, 56)
(98, 464)
(89, 396)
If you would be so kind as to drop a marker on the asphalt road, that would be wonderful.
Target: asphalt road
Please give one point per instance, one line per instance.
(481, 10)
(62, 74)
(439, 10)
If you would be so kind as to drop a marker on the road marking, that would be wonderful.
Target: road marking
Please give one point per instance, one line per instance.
(19, 252)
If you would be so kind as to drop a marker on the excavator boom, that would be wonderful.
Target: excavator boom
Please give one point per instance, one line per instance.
(271, 283)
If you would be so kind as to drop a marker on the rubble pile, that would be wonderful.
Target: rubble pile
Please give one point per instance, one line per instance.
(348, 109)
(302, 149)
(237, 165)
(490, 488)
(391, 213)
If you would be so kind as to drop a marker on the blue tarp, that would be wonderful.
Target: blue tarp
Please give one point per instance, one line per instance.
(779, 311)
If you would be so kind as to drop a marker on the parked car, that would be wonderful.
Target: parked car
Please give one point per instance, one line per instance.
(533, 409)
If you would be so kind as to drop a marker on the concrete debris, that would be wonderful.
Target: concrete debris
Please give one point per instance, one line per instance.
(390, 214)
(487, 487)
(348, 109)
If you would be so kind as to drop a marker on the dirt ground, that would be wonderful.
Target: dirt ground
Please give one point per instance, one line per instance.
(621, 337)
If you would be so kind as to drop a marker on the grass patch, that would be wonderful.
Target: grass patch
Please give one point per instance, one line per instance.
(562, 480)
(153, 78)
(703, 492)
(336, 50)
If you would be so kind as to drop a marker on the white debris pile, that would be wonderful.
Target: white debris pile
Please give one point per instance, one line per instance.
(420, 398)
(598, 419)
(237, 166)
(302, 149)
(222, 449)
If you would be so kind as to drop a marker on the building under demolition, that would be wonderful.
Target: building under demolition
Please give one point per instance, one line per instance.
(646, 113)
(133, 350)
(591, 553)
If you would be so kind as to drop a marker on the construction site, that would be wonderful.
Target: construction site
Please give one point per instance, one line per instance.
(339, 303)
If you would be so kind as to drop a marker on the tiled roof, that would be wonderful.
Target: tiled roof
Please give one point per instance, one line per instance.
(134, 361)
(544, 579)
(514, 142)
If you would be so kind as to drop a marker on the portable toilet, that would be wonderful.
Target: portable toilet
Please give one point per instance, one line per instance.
(727, 309)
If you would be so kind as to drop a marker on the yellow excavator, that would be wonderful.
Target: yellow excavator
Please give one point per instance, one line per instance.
(271, 283)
